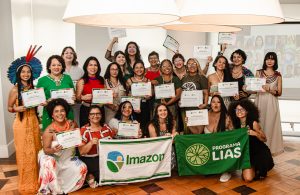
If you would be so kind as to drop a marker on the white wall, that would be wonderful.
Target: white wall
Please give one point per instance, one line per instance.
(6, 57)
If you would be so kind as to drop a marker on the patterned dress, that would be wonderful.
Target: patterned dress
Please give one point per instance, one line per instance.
(61, 172)
(270, 120)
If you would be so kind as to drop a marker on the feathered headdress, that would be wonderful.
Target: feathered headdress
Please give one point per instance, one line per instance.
(29, 60)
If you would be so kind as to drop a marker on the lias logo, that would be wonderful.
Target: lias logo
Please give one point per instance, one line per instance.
(197, 154)
(115, 161)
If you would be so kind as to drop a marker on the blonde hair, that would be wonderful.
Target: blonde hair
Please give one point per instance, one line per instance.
(200, 71)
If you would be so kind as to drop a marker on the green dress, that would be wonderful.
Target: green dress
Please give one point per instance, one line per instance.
(49, 84)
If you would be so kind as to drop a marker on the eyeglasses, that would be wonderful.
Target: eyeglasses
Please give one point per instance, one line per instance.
(240, 110)
(192, 64)
(95, 114)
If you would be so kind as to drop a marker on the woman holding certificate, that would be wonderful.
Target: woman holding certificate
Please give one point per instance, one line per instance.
(194, 94)
(26, 129)
(240, 72)
(125, 116)
(222, 74)
(84, 88)
(218, 121)
(267, 103)
(244, 114)
(168, 78)
(114, 81)
(153, 71)
(91, 133)
(60, 171)
(55, 80)
(140, 86)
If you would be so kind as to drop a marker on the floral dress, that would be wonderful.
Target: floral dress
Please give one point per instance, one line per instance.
(61, 172)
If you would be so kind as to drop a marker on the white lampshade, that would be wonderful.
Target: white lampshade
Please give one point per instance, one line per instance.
(231, 12)
(181, 26)
(125, 13)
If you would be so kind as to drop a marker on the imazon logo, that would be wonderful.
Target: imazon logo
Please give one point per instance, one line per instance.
(115, 160)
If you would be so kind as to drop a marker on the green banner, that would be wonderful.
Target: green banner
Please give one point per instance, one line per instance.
(212, 153)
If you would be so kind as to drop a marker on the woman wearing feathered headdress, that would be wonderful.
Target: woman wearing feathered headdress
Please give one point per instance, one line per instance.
(27, 140)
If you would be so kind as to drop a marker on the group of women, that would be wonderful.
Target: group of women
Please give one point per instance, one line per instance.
(61, 171)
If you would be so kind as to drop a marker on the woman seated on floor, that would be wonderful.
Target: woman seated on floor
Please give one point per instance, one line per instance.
(91, 133)
(60, 171)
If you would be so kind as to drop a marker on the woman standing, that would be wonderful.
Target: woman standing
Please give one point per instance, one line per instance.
(167, 77)
(84, 88)
(121, 60)
(153, 71)
(244, 114)
(218, 121)
(139, 77)
(179, 67)
(190, 82)
(26, 129)
(70, 57)
(60, 171)
(222, 74)
(53, 81)
(267, 103)
(114, 81)
(91, 133)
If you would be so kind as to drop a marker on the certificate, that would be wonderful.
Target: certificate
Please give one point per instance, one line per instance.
(191, 98)
(227, 38)
(171, 44)
(102, 96)
(228, 89)
(116, 32)
(202, 51)
(34, 97)
(255, 84)
(69, 139)
(141, 89)
(136, 102)
(197, 117)
(66, 94)
(128, 129)
(164, 91)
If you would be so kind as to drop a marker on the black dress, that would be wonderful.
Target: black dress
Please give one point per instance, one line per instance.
(260, 157)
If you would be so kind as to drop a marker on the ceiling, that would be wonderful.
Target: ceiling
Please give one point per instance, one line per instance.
(289, 1)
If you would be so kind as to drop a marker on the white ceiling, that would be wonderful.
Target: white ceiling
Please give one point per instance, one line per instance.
(289, 1)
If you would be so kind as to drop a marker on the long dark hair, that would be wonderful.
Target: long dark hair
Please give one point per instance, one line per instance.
(119, 76)
(121, 107)
(137, 54)
(226, 71)
(252, 113)
(270, 55)
(222, 121)
(155, 120)
(126, 68)
(21, 87)
(85, 76)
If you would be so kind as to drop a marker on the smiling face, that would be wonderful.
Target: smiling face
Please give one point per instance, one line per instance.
(127, 110)
(120, 59)
(237, 59)
(59, 114)
(215, 104)
(166, 68)
(95, 116)
(162, 112)
(113, 70)
(92, 68)
(178, 63)
(192, 66)
(240, 112)
(55, 67)
(221, 63)
(131, 49)
(25, 73)
(153, 60)
(139, 69)
(68, 55)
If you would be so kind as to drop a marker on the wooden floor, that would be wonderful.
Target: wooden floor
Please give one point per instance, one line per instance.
(283, 179)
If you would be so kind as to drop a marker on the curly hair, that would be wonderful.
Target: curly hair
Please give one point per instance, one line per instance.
(241, 53)
(222, 121)
(57, 102)
(251, 109)
(155, 120)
